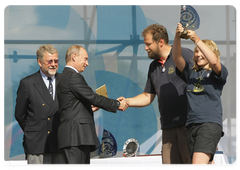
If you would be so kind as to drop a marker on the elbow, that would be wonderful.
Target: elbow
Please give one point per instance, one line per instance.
(214, 63)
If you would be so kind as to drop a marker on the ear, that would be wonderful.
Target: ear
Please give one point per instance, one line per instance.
(73, 57)
(161, 42)
(39, 62)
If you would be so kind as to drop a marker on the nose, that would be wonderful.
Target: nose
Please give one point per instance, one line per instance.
(87, 64)
(146, 48)
(199, 53)
(53, 64)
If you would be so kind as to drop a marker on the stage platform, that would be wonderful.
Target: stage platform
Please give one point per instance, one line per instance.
(219, 159)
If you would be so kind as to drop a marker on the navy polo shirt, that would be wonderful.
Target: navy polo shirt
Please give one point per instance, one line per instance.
(170, 89)
(204, 92)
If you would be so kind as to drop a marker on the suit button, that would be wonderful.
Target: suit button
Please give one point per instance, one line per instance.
(49, 118)
(48, 132)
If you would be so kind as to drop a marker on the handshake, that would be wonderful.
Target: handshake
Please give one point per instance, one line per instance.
(124, 104)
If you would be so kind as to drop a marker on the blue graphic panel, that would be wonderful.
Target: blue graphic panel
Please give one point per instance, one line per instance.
(120, 22)
(46, 16)
(138, 123)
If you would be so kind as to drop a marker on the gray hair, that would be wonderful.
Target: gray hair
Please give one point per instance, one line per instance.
(42, 49)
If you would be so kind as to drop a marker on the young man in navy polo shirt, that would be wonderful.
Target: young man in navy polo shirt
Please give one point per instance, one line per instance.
(164, 82)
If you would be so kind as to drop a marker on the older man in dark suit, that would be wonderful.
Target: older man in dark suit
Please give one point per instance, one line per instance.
(77, 135)
(37, 109)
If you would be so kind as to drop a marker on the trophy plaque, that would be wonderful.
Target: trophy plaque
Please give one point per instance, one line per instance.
(189, 19)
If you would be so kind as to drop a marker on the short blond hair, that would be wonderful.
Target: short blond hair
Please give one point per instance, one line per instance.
(75, 49)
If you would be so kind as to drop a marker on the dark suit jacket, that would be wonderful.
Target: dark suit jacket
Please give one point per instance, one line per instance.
(75, 98)
(37, 115)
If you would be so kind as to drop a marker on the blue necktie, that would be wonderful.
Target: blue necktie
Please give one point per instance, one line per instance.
(50, 87)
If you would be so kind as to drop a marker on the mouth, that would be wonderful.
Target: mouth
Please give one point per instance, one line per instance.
(200, 58)
(52, 68)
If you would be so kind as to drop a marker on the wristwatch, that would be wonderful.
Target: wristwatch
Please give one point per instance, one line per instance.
(119, 104)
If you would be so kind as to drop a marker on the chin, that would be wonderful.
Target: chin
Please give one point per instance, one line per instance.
(151, 57)
(52, 73)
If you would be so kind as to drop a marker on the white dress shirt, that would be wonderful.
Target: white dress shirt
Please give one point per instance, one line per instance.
(46, 81)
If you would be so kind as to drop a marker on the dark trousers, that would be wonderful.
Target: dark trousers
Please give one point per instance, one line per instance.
(76, 154)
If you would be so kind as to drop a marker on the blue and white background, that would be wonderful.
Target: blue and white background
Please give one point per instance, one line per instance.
(112, 37)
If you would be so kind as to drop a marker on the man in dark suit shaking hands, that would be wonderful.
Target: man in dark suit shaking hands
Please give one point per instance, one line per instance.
(76, 134)
(37, 109)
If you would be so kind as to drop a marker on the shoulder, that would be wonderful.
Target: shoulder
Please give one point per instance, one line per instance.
(187, 52)
(27, 82)
(67, 71)
(31, 77)
(224, 74)
(71, 74)
(224, 69)
(58, 74)
(153, 63)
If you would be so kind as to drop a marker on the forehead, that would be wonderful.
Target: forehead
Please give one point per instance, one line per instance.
(48, 55)
(148, 38)
(84, 54)
(196, 49)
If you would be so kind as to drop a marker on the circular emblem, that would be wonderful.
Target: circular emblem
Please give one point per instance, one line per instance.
(108, 147)
(130, 147)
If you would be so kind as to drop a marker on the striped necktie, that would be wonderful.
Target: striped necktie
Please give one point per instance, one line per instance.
(50, 87)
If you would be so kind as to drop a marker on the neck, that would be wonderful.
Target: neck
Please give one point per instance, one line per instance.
(45, 73)
(205, 66)
(165, 52)
(69, 64)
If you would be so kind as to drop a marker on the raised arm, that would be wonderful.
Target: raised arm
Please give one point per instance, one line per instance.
(212, 59)
(176, 50)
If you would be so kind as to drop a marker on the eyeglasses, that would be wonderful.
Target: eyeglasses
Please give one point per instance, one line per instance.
(50, 61)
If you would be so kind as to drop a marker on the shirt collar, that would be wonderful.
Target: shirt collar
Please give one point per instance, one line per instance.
(46, 77)
(160, 61)
(72, 68)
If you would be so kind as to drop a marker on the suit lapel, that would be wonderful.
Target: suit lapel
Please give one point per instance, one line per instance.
(42, 89)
